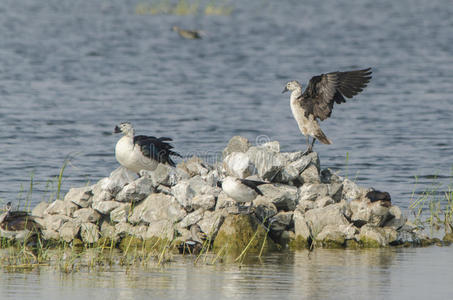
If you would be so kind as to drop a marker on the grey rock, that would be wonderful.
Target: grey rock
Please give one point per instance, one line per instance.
(108, 231)
(284, 197)
(273, 146)
(105, 207)
(50, 235)
(328, 176)
(121, 213)
(122, 229)
(191, 218)
(310, 175)
(185, 191)
(318, 218)
(87, 215)
(89, 233)
(135, 191)
(69, 230)
(281, 221)
(264, 210)
(236, 144)
(38, 210)
(288, 175)
(313, 191)
(293, 156)
(303, 162)
(205, 202)
(54, 222)
(337, 233)
(181, 173)
(366, 212)
(163, 175)
(351, 191)
(267, 163)
(163, 189)
(162, 229)
(157, 207)
(60, 207)
(323, 202)
(117, 180)
(396, 218)
(211, 222)
(305, 205)
(373, 233)
(223, 201)
(139, 231)
(301, 228)
(194, 166)
(81, 196)
(238, 164)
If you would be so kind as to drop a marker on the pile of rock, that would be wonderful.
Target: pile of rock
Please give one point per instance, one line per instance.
(301, 205)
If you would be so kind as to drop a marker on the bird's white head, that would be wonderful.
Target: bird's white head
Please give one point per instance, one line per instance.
(292, 86)
(126, 128)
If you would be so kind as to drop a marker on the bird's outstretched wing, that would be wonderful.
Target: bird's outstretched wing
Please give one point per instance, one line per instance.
(253, 184)
(325, 89)
(156, 148)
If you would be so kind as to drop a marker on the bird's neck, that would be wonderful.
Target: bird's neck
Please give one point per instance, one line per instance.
(295, 94)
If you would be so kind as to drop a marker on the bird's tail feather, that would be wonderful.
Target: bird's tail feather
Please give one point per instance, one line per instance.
(323, 138)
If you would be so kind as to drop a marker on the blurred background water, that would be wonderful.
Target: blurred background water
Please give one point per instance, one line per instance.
(70, 71)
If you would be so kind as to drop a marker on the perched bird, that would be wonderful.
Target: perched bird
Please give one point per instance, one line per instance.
(142, 152)
(241, 190)
(316, 102)
(187, 34)
(17, 225)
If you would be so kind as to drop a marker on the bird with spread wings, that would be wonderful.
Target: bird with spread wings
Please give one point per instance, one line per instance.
(316, 102)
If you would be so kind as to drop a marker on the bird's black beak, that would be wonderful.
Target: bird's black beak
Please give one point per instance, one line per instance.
(285, 90)
(117, 130)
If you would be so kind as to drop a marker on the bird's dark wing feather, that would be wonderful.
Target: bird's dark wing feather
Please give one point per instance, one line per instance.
(156, 148)
(253, 184)
(325, 89)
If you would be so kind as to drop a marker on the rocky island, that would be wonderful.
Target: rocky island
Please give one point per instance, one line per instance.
(302, 206)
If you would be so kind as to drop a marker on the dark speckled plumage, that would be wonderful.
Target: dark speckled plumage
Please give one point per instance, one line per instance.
(156, 148)
(326, 89)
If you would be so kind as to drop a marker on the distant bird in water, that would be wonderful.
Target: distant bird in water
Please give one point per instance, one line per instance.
(17, 225)
(241, 190)
(316, 102)
(187, 34)
(142, 152)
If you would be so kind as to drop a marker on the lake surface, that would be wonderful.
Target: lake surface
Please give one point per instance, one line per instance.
(423, 273)
(71, 71)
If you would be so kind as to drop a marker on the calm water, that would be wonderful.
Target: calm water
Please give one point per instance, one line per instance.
(325, 274)
(70, 71)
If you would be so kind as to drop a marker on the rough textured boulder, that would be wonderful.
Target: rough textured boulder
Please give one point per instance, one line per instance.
(239, 165)
(236, 144)
(89, 233)
(87, 215)
(135, 191)
(60, 207)
(81, 196)
(69, 230)
(284, 197)
(157, 207)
